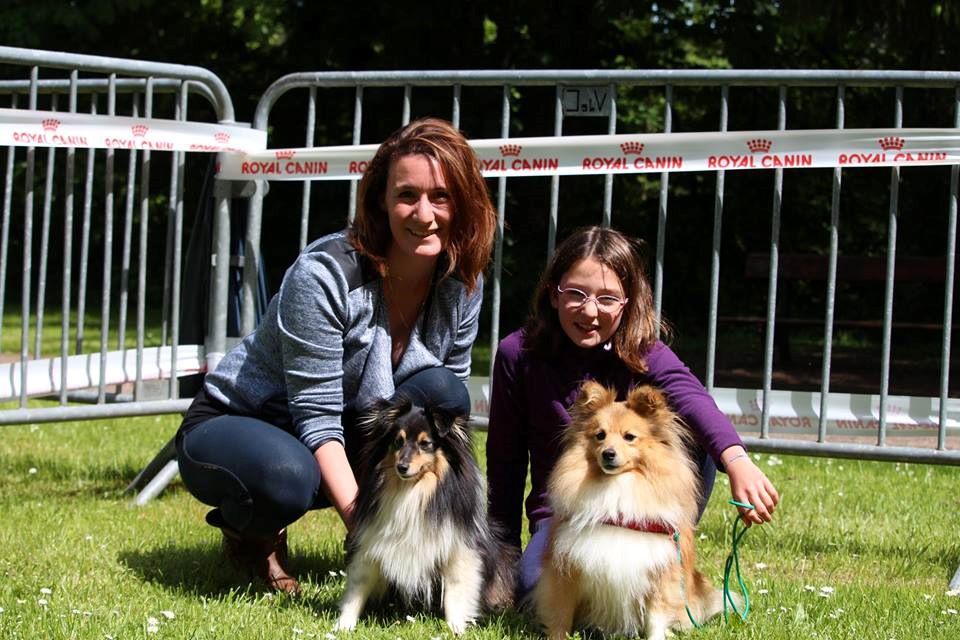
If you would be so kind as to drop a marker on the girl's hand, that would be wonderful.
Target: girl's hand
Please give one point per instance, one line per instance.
(749, 485)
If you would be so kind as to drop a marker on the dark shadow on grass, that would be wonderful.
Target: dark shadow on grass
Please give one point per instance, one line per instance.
(392, 610)
(202, 570)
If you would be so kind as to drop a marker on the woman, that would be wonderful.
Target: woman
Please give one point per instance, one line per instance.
(389, 306)
(593, 318)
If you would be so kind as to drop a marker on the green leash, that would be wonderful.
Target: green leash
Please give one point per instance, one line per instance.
(733, 562)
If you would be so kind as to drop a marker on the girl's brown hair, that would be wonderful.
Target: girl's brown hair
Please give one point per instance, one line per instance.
(474, 217)
(638, 329)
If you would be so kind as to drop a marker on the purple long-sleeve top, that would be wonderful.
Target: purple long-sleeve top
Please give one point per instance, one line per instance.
(529, 401)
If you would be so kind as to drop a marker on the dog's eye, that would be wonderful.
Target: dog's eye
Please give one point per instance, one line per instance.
(398, 443)
(629, 437)
(426, 445)
(601, 435)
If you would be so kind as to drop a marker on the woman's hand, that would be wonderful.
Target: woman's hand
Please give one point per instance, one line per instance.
(749, 485)
(337, 478)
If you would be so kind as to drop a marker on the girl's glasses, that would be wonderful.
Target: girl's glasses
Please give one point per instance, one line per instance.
(574, 299)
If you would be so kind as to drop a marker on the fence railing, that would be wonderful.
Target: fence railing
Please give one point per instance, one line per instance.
(504, 101)
(499, 104)
(82, 277)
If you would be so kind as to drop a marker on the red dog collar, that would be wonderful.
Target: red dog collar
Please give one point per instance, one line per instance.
(646, 526)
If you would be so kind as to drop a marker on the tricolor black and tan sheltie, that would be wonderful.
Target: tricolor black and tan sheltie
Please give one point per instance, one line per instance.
(620, 556)
(420, 525)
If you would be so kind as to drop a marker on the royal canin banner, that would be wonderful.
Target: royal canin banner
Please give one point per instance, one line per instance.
(26, 128)
(635, 153)
(243, 153)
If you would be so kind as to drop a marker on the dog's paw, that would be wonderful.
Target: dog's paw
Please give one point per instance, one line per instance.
(458, 626)
(346, 623)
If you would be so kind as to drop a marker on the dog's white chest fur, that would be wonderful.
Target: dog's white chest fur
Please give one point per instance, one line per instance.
(617, 565)
(407, 549)
(617, 568)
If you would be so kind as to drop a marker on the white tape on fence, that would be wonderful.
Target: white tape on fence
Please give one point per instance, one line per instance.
(83, 371)
(635, 153)
(798, 412)
(244, 154)
(27, 128)
(852, 414)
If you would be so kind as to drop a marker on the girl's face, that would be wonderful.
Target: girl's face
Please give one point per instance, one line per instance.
(591, 314)
(418, 206)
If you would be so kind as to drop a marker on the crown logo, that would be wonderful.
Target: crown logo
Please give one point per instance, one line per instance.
(759, 145)
(891, 143)
(221, 137)
(510, 149)
(635, 148)
(50, 124)
(285, 154)
(139, 130)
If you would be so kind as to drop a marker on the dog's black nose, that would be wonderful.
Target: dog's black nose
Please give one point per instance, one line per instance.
(609, 455)
(402, 468)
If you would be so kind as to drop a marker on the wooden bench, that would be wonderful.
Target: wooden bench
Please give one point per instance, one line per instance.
(855, 269)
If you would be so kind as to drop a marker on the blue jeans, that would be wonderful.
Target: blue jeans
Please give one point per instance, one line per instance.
(260, 478)
(531, 561)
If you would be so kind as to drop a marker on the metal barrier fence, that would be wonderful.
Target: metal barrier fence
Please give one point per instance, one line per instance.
(89, 361)
(501, 99)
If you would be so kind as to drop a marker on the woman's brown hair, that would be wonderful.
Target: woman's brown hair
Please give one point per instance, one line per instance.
(474, 217)
(639, 328)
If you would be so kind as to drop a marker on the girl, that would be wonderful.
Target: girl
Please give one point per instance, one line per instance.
(391, 305)
(593, 318)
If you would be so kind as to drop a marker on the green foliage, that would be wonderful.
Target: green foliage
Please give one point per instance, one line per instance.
(489, 31)
(252, 42)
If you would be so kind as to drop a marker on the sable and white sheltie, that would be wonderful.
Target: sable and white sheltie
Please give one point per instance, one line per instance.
(620, 556)
(420, 524)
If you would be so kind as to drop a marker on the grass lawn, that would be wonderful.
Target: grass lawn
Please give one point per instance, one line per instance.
(859, 550)
(50, 341)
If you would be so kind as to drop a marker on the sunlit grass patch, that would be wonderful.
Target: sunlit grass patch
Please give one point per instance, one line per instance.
(858, 550)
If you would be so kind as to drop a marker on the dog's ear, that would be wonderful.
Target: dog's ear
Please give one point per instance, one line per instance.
(378, 416)
(594, 395)
(646, 400)
(392, 409)
(445, 423)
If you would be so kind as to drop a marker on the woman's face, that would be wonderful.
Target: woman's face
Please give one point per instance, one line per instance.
(589, 322)
(418, 206)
